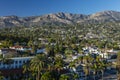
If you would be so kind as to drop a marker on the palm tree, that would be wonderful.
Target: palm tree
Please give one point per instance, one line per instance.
(72, 64)
(38, 64)
(102, 67)
(80, 59)
(26, 70)
(94, 68)
(46, 76)
(80, 51)
(118, 66)
(86, 70)
(64, 77)
(88, 61)
(59, 63)
(98, 65)
(75, 76)
(48, 50)
(34, 49)
(68, 52)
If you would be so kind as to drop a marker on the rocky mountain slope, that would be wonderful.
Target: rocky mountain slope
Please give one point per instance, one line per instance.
(59, 18)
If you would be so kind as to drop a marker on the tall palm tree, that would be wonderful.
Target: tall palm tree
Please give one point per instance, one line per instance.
(94, 68)
(38, 64)
(46, 76)
(118, 66)
(64, 77)
(59, 63)
(85, 59)
(72, 64)
(80, 59)
(75, 76)
(86, 70)
(102, 67)
(98, 65)
(26, 70)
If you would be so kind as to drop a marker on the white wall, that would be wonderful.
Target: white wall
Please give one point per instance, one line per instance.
(17, 63)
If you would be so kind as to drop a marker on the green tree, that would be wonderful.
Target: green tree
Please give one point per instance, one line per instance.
(7, 43)
(59, 63)
(64, 77)
(38, 65)
(94, 68)
(47, 76)
(86, 70)
(118, 66)
(30, 43)
(26, 70)
(75, 76)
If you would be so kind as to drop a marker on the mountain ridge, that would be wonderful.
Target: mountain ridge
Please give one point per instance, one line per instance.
(59, 18)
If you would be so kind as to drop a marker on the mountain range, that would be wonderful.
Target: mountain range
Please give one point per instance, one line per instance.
(59, 18)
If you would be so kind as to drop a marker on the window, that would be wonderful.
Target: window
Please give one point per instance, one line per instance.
(16, 62)
(23, 61)
(19, 61)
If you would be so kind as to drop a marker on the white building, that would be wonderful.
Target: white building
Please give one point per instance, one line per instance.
(17, 63)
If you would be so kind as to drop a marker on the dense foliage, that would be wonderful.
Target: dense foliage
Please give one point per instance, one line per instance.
(98, 34)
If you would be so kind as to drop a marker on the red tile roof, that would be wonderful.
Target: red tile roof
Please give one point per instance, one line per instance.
(16, 47)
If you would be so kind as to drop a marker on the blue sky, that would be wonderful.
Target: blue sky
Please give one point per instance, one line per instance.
(40, 7)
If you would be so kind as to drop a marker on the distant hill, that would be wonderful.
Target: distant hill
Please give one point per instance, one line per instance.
(59, 18)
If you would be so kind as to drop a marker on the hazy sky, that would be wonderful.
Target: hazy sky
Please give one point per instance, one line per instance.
(40, 7)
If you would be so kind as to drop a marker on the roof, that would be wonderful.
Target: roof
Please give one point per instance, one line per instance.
(17, 58)
(7, 49)
(19, 46)
(16, 47)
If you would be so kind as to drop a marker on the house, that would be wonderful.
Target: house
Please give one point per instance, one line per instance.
(17, 47)
(43, 41)
(40, 50)
(109, 53)
(21, 48)
(6, 52)
(91, 50)
(17, 62)
(104, 55)
(13, 68)
(95, 51)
